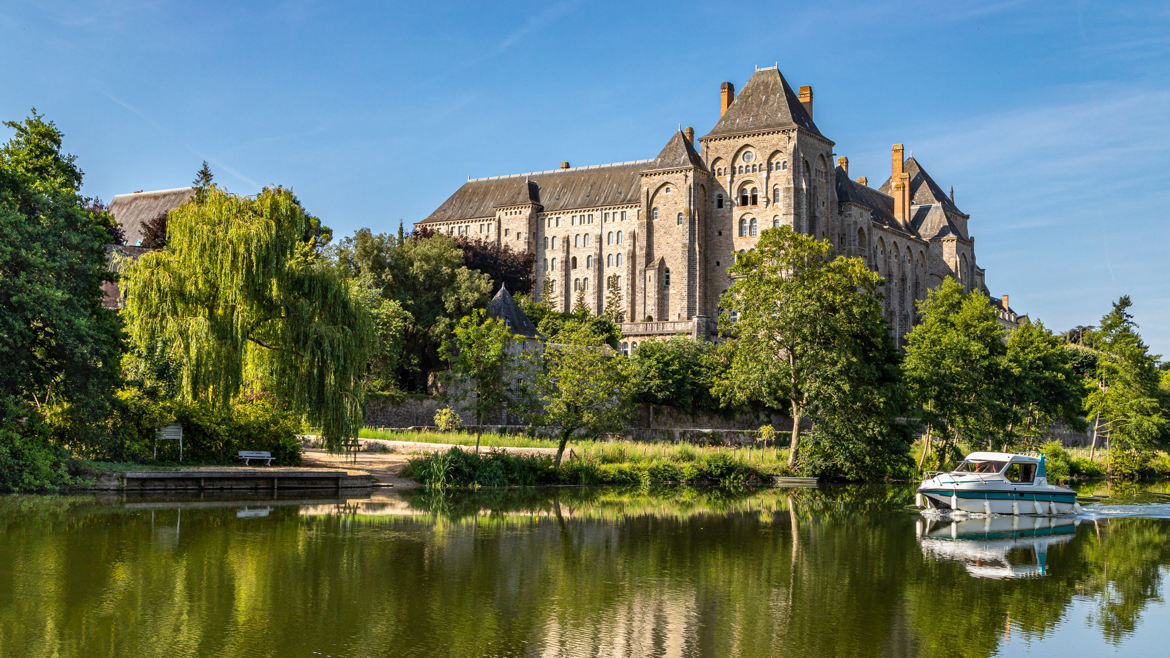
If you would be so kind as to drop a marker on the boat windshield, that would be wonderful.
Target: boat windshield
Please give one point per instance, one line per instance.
(971, 466)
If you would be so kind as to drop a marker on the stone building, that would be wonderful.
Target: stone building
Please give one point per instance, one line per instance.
(663, 231)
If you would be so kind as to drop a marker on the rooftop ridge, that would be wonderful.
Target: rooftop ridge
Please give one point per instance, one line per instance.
(146, 193)
(562, 171)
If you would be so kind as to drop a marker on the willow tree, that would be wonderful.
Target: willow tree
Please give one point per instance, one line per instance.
(242, 296)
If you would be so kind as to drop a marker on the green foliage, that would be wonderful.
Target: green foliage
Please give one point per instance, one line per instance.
(1127, 464)
(241, 295)
(580, 384)
(1041, 386)
(61, 348)
(678, 372)
(808, 339)
(388, 353)
(614, 308)
(767, 435)
(480, 356)
(447, 419)
(29, 462)
(463, 468)
(553, 323)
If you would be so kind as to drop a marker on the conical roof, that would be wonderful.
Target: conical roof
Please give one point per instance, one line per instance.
(766, 102)
(923, 189)
(504, 307)
(678, 152)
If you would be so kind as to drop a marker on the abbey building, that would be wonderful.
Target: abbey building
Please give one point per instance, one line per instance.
(664, 231)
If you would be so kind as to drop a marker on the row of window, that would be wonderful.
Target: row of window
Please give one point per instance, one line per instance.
(749, 228)
(583, 283)
(751, 169)
(612, 260)
(581, 220)
(583, 240)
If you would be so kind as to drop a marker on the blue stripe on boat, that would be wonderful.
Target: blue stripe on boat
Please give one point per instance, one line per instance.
(1005, 495)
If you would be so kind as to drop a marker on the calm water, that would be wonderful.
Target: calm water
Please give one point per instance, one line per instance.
(846, 571)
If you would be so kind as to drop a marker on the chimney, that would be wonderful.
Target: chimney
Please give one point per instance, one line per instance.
(896, 162)
(901, 192)
(1005, 303)
(726, 97)
(806, 99)
(689, 133)
(843, 163)
(952, 195)
(864, 181)
(564, 165)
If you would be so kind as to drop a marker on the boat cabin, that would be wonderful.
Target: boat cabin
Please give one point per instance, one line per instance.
(1018, 469)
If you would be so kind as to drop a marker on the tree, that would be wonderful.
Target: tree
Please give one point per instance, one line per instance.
(613, 301)
(797, 317)
(60, 347)
(480, 353)
(242, 294)
(388, 352)
(954, 369)
(154, 232)
(579, 303)
(1041, 387)
(204, 181)
(580, 384)
(505, 265)
(679, 372)
(1124, 393)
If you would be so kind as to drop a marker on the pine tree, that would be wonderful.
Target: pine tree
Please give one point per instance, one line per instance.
(204, 181)
(613, 301)
(546, 293)
(579, 306)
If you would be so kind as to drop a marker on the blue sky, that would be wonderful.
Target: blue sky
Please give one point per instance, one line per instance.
(1051, 119)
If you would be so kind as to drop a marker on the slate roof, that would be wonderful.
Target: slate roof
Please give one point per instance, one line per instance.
(923, 189)
(504, 307)
(556, 190)
(133, 211)
(881, 205)
(678, 152)
(766, 102)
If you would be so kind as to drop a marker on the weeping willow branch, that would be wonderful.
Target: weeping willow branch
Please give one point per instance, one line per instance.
(240, 294)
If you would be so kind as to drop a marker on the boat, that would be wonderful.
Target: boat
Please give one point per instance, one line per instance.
(996, 483)
(996, 546)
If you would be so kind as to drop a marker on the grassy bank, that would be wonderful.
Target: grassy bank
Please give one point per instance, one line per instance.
(1074, 463)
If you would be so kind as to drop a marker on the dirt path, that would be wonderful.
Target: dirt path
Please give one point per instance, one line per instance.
(384, 466)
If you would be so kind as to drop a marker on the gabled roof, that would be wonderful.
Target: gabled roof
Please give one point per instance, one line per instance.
(555, 190)
(881, 206)
(133, 211)
(923, 189)
(504, 307)
(678, 152)
(766, 102)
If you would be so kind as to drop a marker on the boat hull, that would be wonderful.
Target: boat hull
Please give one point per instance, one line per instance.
(974, 501)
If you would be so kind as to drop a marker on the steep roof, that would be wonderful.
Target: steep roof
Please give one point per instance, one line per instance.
(766, 102)
(881, 205)
(923, 189)
(556, 190)
(504, 307)
(678, 152)
(133, 211)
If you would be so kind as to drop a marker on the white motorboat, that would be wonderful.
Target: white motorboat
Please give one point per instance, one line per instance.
(997, 483)
(996, 546)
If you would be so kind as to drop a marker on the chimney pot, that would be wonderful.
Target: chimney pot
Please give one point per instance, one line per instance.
(843, 163)
(1005, 303)
(726, 97)
(689, 133)
(564, 165)
(806, 98)
(864, 181)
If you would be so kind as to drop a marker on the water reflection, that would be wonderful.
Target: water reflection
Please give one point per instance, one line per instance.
(569, 572)
(995, 546)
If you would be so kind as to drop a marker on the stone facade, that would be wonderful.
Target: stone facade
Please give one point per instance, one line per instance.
(664, 231)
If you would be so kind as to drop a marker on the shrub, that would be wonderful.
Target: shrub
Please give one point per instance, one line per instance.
(580, 471)
(29, 462)
(447, 420)
(461, 468)
(1058, 462)
(1126, 464)
(216, 435)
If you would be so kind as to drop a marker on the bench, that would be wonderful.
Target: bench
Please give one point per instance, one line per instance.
(249, 455)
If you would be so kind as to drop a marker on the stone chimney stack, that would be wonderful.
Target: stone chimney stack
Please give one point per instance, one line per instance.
(864, 181)
(726, 97)
(899, 185)
(1005, 303)
(564, 165)
(897, 161)
(843, 163)
(689, 133)
(952, 194)
(806, 99)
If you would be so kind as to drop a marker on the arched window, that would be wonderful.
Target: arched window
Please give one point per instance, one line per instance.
(585, 240)
(775, 222)
(743, 197)
(619, 237)
(554, 263)
(576, 284)
(609, 260)
(554, 242)
(617, 281)
(718, 200)
(552, 285)
(619, 260)
(609, 238)
(654, 214)
(589, 262)
(577, 240)
(755, 196)
(776, 194)
(546, 243)
(784, 165)
(585, 283)
(666, 278)
(743, 228)
(754, 229)
(573, 263)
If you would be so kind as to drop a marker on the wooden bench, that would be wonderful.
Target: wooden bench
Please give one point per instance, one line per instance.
(249, 455)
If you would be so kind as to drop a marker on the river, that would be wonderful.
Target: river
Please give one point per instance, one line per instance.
(837, 571)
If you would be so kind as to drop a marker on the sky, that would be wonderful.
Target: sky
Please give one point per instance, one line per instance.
(1050, 119)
